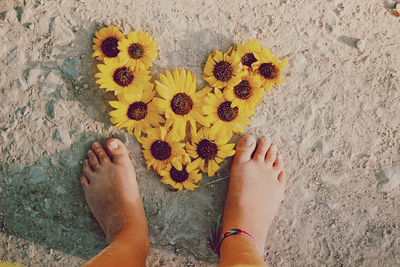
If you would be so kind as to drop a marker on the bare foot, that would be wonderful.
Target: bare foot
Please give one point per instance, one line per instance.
(256, 188)
(111, 190)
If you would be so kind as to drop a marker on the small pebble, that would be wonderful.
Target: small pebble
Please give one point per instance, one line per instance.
(361, 45)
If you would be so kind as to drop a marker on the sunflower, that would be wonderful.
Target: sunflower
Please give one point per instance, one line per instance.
(223, 117)
(180, 101)
(245, 94)
(180, 179)
(269, 68)
(139, 48)
(162, 148)
(120, 78)
(222, 69)
(246, 52)
(106, 43)
(208, 148)
(135, 112)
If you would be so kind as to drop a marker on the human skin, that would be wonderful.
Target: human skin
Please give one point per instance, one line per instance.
(256, 189)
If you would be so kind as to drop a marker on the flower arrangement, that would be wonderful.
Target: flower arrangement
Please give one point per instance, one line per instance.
(183, 131)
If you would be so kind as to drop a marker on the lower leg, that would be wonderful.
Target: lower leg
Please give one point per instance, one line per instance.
(111, 190)
(256, 189)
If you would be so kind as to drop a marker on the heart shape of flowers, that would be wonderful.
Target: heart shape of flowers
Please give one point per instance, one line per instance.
(183, 131)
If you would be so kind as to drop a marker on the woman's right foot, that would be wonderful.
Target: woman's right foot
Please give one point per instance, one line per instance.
(112, 192)
(256, 188)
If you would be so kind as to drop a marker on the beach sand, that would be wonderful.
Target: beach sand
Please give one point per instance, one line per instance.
(335, 120)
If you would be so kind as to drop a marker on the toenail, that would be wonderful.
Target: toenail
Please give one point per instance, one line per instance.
(248, 140)
(113, 144)
(96, 144)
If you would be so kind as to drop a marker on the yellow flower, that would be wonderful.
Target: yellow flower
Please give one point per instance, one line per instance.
(180, 101)
(246, 94)
(139, 49)
(120, 78)
(246, 52)
(136, 113)
(106, 43)
(180, 179)
(269, 68)
(208, 149)
(222, 69)
(223, 117)
(162, 148)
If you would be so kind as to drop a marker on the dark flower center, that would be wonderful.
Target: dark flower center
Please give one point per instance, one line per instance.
(109, 47)
(268, 71)
(160, 150)
(243, 90)
(248, 59)
(181, 104)
(223, 71)
(123, 76)
(179, 176)
(137, 111)
(135, 51)
(207, 149)
(226, 113)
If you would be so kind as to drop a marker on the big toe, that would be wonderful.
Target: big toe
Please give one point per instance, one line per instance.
(245, 148)
(118, 151)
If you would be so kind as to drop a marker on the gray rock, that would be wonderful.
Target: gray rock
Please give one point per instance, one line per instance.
(36, 175)
(61, 33)
(11, 16)
(392, 179)
(361, 45)
(11, 56)
(60, 189)
(52, 82)
(64, 91)
(70, 68)
(69, 160)
(26, 15)
(61, 135)
(43, 24)
(60, 109)
(16, 56)
(34, 76)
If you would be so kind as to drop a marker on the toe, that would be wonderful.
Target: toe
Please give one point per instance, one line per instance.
(262, 149)
(100, 153)
(282, 177)
(245, 148)
(270, 157)
(93, 160)
(279, 162)
(84, 180)
(118, 151)
(86, 169)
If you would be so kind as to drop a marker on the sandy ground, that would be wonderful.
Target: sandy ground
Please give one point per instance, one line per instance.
(335, 120)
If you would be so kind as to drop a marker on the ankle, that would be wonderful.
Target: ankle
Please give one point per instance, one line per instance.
(135, 242)
(239, 249)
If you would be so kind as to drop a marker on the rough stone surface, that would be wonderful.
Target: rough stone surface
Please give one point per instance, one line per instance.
(61, 32)
(335, 120)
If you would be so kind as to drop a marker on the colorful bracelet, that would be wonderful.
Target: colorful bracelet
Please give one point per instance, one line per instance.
(216, 242)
